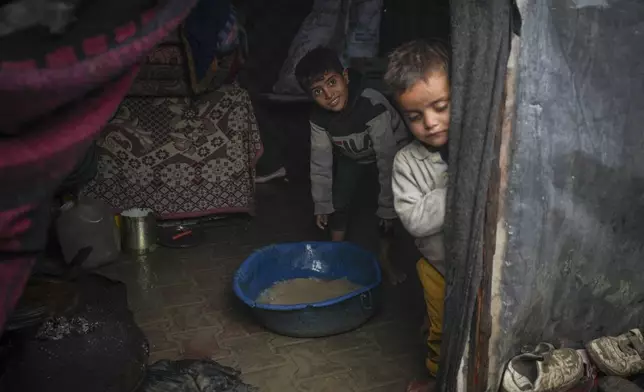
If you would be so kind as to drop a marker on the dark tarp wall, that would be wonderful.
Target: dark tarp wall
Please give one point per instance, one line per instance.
(574, 210)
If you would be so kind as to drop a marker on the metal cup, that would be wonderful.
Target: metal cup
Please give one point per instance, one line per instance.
(139, 233)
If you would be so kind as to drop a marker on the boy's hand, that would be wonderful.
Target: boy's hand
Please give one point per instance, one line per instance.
(322, 221)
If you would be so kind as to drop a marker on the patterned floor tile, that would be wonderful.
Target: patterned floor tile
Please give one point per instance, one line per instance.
(395, 339)
(280, 341)
(275, 379)
(398, 386)
(181, 294)
(201, 344)
(216, 278)
(158, 337)
(193, 317)
(144, 300)
(334, 383)
(220, 299)
(150, 316)
(371, 373)
(170, 355)
(311, 360)
(230, 361)
(238, 324)
(213, 262)
(253, 353)
(168, 273)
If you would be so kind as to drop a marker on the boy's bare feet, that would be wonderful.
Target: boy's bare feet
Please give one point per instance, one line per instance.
(421, 386)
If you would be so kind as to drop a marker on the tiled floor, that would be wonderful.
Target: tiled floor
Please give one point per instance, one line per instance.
(183, 301)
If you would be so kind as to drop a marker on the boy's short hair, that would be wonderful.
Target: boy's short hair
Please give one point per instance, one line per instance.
(411, 62)
(315, 64)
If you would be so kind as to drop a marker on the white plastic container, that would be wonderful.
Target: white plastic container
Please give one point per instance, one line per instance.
(88, 223)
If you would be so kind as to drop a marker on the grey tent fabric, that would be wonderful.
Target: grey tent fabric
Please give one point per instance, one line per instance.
(575, 202)
(480, 47)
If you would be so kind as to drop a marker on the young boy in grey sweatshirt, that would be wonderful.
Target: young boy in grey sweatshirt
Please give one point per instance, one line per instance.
(355, 134)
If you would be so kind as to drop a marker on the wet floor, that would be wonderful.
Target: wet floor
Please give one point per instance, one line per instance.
(182, 299)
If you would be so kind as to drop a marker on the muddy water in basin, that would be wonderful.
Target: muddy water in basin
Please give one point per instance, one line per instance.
(305, 290)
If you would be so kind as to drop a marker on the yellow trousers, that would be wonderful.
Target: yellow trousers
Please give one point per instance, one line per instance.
(434, 290)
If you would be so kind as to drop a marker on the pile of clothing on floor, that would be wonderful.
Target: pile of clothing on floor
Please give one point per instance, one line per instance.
(617, 360)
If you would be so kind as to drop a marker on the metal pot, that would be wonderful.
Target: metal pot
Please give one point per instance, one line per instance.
(139, 232)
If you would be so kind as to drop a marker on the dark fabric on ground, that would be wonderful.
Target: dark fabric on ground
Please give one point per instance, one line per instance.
(480, 49)
(193, 376)
(95, 346)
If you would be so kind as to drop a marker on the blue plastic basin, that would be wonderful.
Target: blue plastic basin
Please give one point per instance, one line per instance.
(323, 260)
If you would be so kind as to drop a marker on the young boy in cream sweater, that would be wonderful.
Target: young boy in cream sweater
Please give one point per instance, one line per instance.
(418, 72)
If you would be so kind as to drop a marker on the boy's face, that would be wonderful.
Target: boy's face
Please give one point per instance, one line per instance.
(426, 108)
(331, 91)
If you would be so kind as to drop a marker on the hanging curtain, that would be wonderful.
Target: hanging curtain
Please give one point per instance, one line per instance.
(480, 35)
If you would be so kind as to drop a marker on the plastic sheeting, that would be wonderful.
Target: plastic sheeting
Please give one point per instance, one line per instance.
(193, 376)
(351, 27)
(326, 25)
(575, 203)
(364, 28)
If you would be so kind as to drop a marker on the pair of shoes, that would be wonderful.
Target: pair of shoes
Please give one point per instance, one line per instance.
(546, 369)
(279, 173)
(621, 356)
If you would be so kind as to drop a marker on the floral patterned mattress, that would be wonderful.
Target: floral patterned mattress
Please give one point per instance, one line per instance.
(181, 158)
